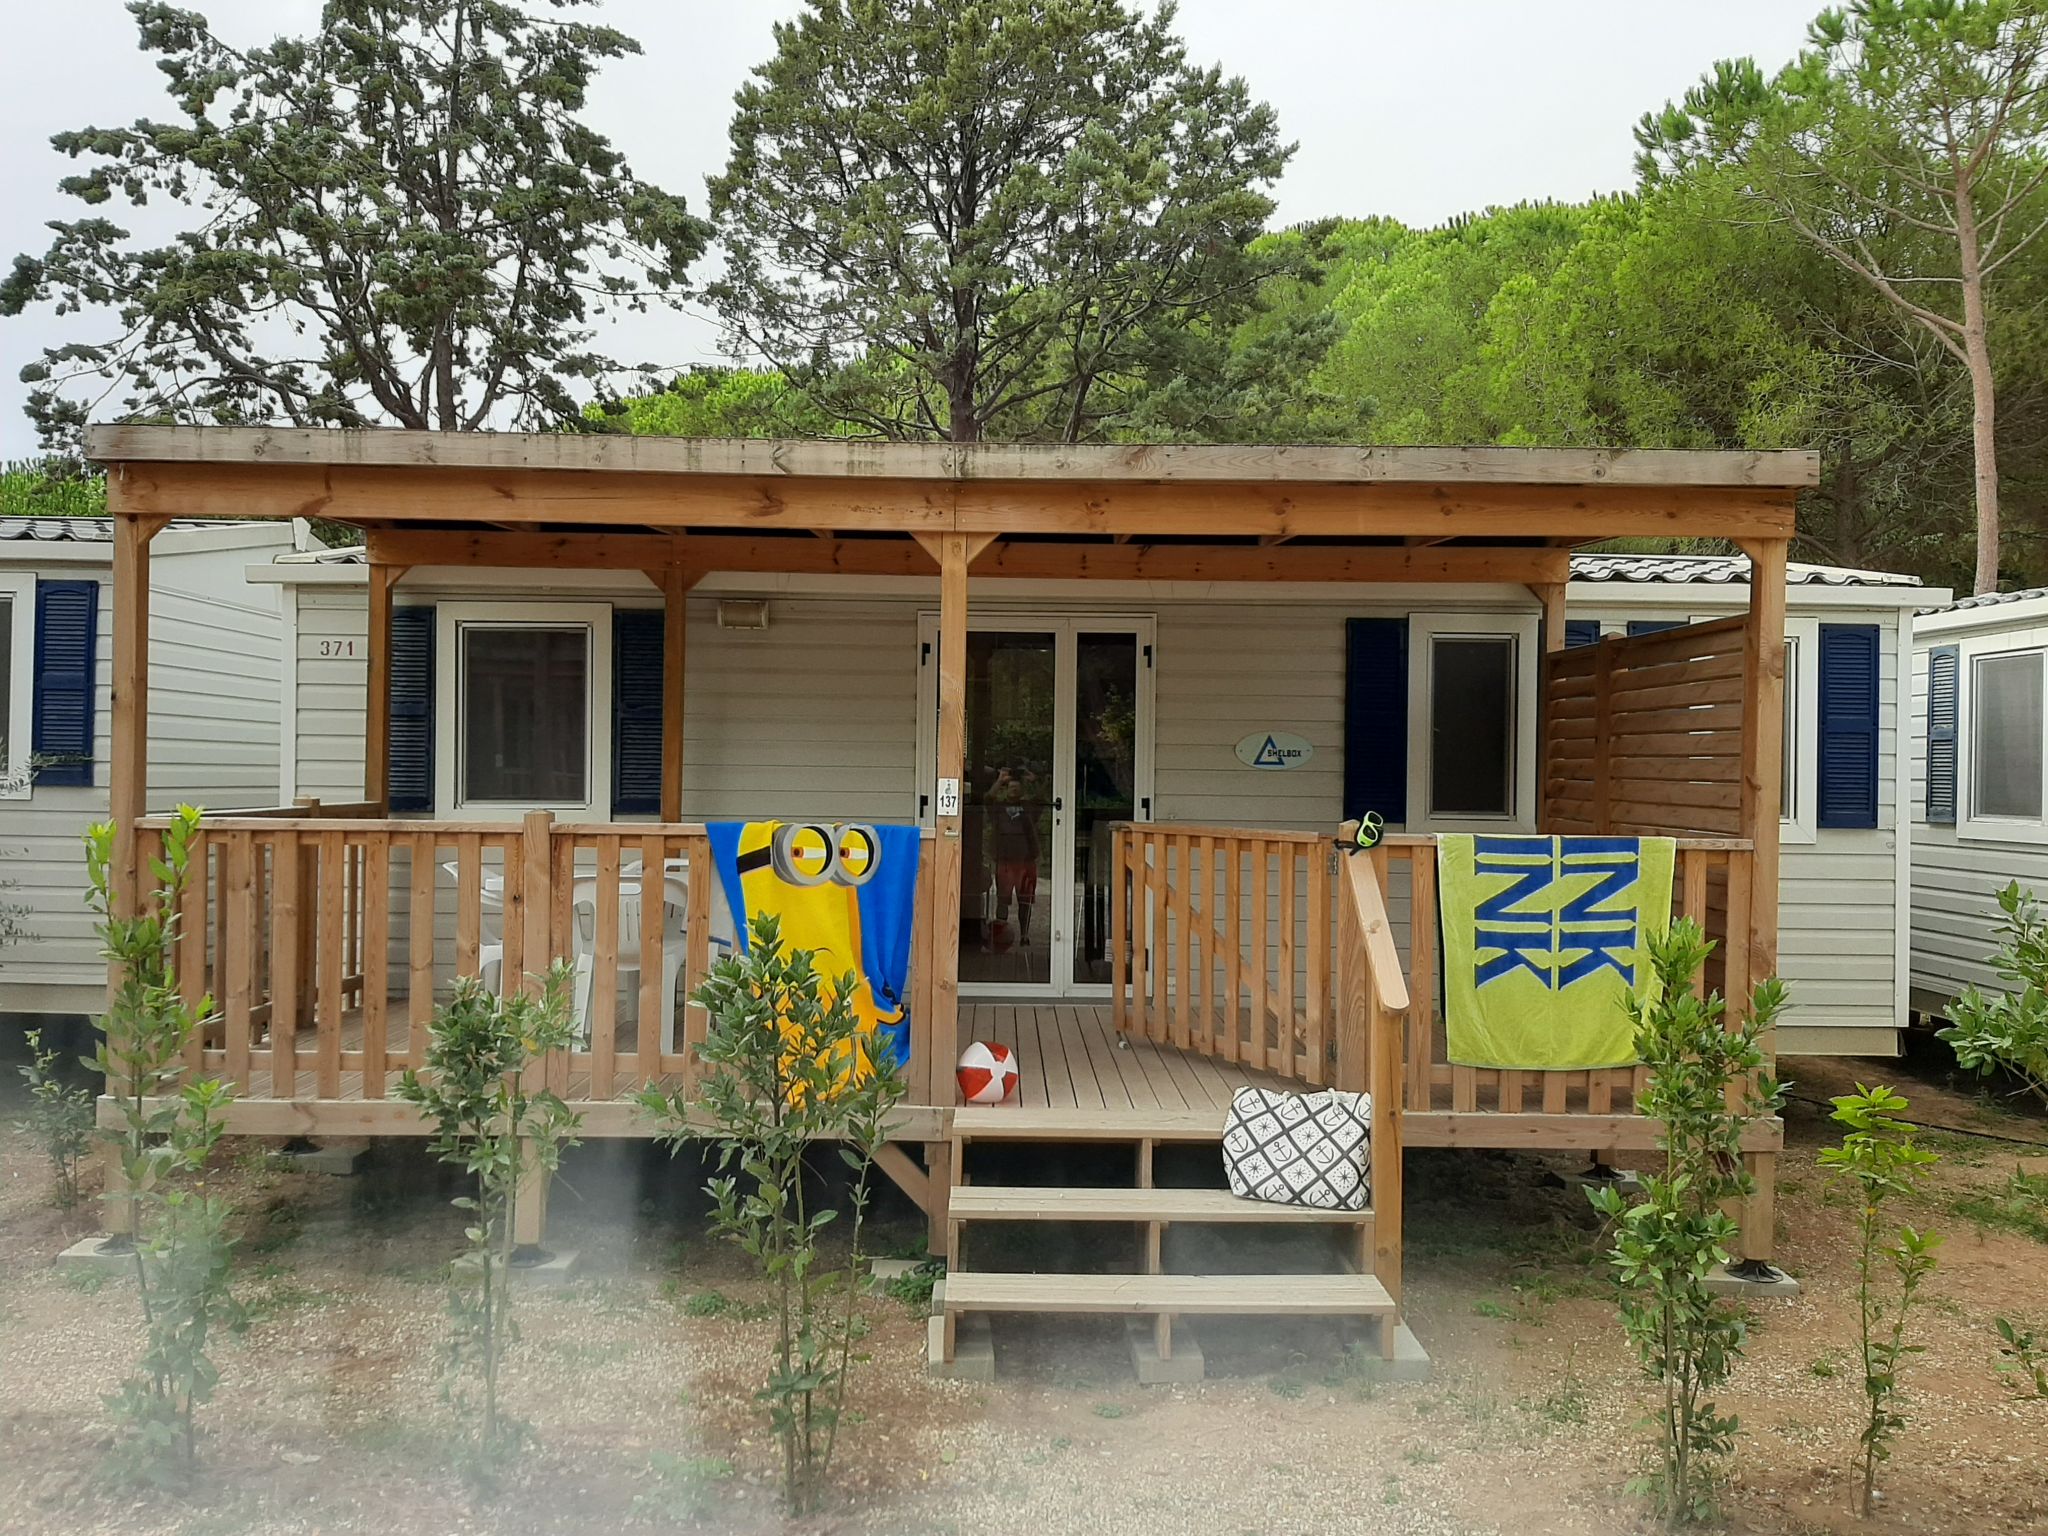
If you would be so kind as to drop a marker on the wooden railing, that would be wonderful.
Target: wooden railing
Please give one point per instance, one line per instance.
(327, 941)
(1222, 943)
(1372, 994)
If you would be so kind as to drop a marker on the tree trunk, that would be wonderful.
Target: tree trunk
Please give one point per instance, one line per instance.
(1983, 386)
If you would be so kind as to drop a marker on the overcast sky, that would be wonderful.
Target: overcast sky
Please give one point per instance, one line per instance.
(1416, 110)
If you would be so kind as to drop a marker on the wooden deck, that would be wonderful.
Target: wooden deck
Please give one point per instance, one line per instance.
(1070, 1057)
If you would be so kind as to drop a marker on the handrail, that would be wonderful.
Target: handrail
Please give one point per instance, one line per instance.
(1376, 932)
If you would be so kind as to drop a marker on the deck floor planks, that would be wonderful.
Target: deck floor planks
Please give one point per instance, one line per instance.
(1058, 1072)
(1122, 1082)
(1097, 1084)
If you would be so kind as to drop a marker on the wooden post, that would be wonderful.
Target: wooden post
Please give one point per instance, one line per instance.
(377, 695)
(952, 759)
(675, 583)
(128, 765)
(1551, 595)
(537, 947)
(1763, 741)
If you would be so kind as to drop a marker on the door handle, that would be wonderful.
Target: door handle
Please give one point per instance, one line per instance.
(1058, 805)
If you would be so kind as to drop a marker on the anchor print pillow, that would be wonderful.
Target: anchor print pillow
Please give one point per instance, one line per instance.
(1299, 1148)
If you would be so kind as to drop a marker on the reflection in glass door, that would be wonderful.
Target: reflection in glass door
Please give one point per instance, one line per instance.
(1007, 829)
(1057, 749)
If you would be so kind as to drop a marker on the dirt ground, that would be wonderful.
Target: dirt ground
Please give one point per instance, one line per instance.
(637, 1377)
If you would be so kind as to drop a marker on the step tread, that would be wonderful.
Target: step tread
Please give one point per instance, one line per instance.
(1269, 1295)
(1017, 1124)
(1023, 1202)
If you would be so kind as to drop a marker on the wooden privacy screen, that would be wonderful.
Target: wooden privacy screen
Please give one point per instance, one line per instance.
(1644, 735)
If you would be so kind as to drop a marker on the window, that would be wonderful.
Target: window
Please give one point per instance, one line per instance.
(522, 687)
(17, 681)
(2005, 736)
(1472, 719)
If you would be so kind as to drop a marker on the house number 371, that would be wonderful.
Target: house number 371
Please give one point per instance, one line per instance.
(337, 647)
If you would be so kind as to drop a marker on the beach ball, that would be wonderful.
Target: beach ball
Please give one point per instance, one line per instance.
(988, 1073)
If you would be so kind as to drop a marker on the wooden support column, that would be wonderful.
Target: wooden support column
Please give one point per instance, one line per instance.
(536, 852)
(1763, 741)
(128, 761)
(377, 686)
(1551, 595)
(675, 583)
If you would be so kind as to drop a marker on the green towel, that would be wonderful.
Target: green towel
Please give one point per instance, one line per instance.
(1543, 945)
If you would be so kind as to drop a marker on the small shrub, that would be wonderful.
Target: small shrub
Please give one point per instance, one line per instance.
(2025, 1358)
(788, 1068)
(59, 1119)
(1667, 1241)
(1878, 1159)
(2008, 1031)
(505, 1134)
(914, 1286)
(169, 1127)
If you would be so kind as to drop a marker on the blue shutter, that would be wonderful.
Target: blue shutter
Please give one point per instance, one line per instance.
(1848, 725)
(1581, 632)
(1376, 719)
(636, 711)
(1653, 626)
(67, 633)
(411, 762)
(1944, 691)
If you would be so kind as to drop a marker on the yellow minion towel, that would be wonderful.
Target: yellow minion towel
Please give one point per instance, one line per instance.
(1543, 941)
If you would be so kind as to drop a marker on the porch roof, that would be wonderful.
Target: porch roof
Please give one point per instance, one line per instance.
(627, 489)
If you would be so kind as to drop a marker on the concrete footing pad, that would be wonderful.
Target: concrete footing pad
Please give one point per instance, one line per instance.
(1411, 1361)
(882, 1271)
(335, 1161)
(974, 1349)
(1777, 1283)
(554, 1267)
(92, 1253)
(1185, 1364)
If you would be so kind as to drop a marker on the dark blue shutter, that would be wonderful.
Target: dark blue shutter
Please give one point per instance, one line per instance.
(411, 762)
(1581, 632)
(1848, 725)
(1653, 626)
(67, 633)
(636, 711)
(1944, 689)
(1376, 719)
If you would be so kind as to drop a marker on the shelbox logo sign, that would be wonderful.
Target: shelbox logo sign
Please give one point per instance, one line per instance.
(1273, 749)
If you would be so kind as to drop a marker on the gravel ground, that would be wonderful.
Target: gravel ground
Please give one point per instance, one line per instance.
(330, 1417)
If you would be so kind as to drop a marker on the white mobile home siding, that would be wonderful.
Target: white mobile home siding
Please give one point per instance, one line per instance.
(817, 716)
(1956, 878)
(213, 738)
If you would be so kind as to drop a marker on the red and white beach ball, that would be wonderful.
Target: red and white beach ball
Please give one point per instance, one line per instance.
(988, 1073)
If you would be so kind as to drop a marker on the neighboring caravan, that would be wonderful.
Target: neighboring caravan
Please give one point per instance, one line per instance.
(213, 716)
(834, 674)
(1980, 782)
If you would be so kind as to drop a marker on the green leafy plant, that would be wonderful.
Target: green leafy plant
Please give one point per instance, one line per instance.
(1707, 1084)
(2025, 1357)
(786, 1068)
(168, 1128)
(2008, 1031)
(1877, 1156)
(59, 1118)
(506, 1133)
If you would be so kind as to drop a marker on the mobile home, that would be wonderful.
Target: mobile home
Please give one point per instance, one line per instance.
(213, 718)
(561, 665)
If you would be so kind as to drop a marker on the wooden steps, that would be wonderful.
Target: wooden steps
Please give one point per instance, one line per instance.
(1014, 1123)
(1168, 1295)
(1000, 1202)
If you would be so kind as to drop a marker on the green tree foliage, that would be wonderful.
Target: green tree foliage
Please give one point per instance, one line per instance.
(716, 402)
(400, 220)
(989, 219)
(785, 1076)
(169, 1125)
(52, 486)
(2008, 1031)
(1878, 1159)
(1707, 1084)
(60, 1113)
(1909, 144)
(506, 1134)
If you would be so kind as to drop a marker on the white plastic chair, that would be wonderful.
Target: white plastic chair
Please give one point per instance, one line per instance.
(675, 927)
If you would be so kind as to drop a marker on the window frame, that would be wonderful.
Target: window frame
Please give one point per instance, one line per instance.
(16, 780)
(1424, 630)
(1969, 825)
(450, 619)
(1801, 790)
